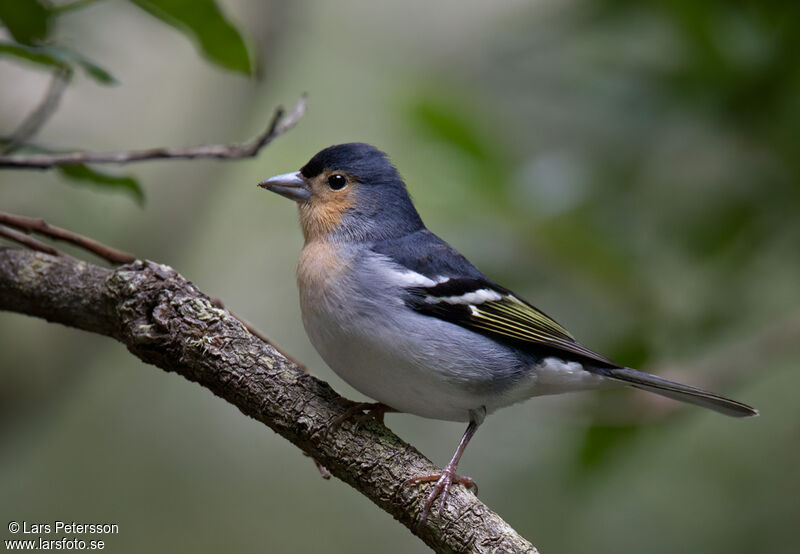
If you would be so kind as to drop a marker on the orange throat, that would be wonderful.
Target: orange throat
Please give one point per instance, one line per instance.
(321, 216)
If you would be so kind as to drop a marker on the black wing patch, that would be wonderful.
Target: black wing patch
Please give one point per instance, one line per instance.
(493, 311)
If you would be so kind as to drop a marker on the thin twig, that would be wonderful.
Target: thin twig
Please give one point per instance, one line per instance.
(30, 242)
(39, 226)
(280, 123)
(44, 111)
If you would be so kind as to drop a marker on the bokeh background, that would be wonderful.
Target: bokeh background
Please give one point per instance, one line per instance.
(633, 168)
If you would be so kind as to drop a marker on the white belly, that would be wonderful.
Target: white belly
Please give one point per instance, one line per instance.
(393, 367)
(415, 363)
(431, 375)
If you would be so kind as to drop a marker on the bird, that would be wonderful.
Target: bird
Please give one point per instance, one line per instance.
(407, 320)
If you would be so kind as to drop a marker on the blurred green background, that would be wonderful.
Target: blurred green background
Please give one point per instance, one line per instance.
(633, 168)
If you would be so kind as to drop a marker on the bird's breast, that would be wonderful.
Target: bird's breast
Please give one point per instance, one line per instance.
(328, 293)
(321, 266)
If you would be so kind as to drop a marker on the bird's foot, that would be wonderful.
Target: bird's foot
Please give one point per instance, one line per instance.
(441, 489)
(363, 411)
(323, 471)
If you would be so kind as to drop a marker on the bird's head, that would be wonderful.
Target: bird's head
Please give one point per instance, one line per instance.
(349, 191)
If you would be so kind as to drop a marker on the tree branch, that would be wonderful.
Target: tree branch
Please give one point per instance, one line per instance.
(279, 124)
(40, 226)
(166, 321)
(25, 240)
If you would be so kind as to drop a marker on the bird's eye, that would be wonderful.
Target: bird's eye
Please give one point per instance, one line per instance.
(337, 181)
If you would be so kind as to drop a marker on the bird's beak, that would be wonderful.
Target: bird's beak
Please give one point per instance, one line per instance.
(290, 185)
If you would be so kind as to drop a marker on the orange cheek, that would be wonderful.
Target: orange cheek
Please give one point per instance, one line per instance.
(323, 213)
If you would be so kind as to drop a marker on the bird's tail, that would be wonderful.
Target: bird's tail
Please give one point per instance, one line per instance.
(677, 391)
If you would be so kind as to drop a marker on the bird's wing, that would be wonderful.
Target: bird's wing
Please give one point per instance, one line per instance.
(459, 293)
(491, 310)
(424, 253)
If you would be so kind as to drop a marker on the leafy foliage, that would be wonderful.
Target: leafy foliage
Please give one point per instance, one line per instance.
(205, 24)
(28, 21)
(104, 181)
(58, 57)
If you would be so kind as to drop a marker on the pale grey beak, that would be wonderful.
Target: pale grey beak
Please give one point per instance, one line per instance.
(290, 185)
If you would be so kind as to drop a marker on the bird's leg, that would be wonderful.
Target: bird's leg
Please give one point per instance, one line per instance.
(447, 477)
(364, 411)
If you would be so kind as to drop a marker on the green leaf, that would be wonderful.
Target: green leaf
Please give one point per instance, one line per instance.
(116, 183)
(28, 21)
(31, 54)
(205, 24)
(93, 70)
(58, 56)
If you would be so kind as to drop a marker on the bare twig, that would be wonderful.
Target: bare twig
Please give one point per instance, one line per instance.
(164, 320)
(29, 225)
(280, 123)
(39, 116)
(25, 240)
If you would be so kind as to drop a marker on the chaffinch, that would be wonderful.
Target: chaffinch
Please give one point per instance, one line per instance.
(405, 319)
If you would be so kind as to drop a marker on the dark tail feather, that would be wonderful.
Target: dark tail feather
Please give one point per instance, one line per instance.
(677, 391)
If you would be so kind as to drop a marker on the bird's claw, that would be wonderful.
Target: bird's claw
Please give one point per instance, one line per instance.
(441, 489)
(323, 471)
